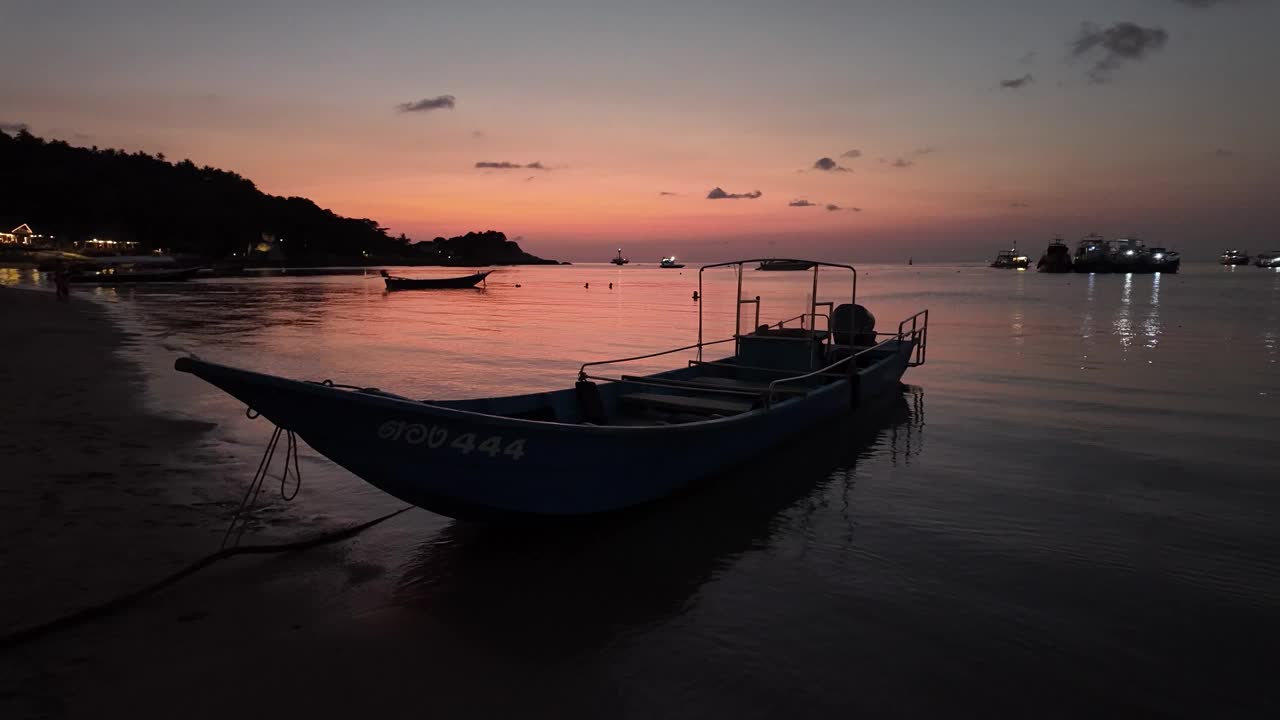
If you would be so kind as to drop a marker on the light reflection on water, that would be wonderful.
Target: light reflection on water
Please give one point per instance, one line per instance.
(1151, 326)
(1122, 326)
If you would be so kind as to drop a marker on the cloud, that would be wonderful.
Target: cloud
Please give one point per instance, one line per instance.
(801, 203)
(477, 134)
(668, 193)
(851, 154)
(826, 164)
(1114, 46)
(504, 165)
(832, 208)
(718, 194)
(902, 161)
(1016, 83)
(1029, 58)
(442, 102)
(1019, 205)
(13, 127)
(1223, 152)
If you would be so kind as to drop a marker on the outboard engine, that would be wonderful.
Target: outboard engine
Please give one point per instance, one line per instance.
(864, 325)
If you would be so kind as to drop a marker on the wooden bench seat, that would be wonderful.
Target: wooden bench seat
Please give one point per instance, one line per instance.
(684, 403)
(728, 386)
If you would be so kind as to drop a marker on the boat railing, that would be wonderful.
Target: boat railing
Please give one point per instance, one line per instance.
(801, 317)
(773, 386)
(917, 333)
(582, 371)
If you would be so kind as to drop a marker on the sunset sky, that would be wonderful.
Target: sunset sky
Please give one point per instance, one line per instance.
(953, 128)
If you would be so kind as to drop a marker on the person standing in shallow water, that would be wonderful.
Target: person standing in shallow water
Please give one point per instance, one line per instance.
(62, 280)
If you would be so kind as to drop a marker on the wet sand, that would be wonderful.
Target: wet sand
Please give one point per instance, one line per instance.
(99, 494)
(99, 497)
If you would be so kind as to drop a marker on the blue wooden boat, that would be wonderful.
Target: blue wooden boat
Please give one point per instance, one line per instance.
(611, 441)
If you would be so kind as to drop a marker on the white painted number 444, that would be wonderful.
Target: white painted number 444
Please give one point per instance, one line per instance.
(491, 446)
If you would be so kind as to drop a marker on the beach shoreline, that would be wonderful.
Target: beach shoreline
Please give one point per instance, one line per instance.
(103, 494)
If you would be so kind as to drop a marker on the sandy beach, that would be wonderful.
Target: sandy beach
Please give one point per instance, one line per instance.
(99, 497)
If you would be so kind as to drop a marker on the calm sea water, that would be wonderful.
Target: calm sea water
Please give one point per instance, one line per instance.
(1071, 510)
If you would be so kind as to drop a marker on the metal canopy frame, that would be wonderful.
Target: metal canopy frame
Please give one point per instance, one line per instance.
(740, 265)
(914, 329)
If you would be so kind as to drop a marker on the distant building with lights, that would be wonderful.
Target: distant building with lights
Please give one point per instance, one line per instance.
(110, 245)
(23, 236)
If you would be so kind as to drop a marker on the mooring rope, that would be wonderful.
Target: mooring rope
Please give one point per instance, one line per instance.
(250, 500)
(35, 632)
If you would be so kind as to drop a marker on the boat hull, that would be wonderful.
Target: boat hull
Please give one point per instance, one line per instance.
(1092, 266)
(481, 466)
(458, 283)
(1054, 266)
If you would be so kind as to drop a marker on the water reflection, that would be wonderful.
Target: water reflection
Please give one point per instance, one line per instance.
(1017, 317)
(1088, 323)
(558, 591)
(1151, 326)
(1122, 325)
(10, 276)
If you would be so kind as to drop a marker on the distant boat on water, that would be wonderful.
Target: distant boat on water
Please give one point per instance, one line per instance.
(1269, 259)
(1234, 257)
(1128, 255)
(1010, 259)
(670, 262)
(1092, 255)
(781, 264)
(1163, 261)
(1056, 258)
(453, 283)
(619, 260)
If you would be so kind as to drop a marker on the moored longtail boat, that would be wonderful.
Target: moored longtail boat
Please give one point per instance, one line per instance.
(453, 283)
(610, 441)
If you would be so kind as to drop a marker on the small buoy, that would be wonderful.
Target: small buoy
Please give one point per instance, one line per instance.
(586, 285)
(517, 284)
(610, 286)
(695, 296)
